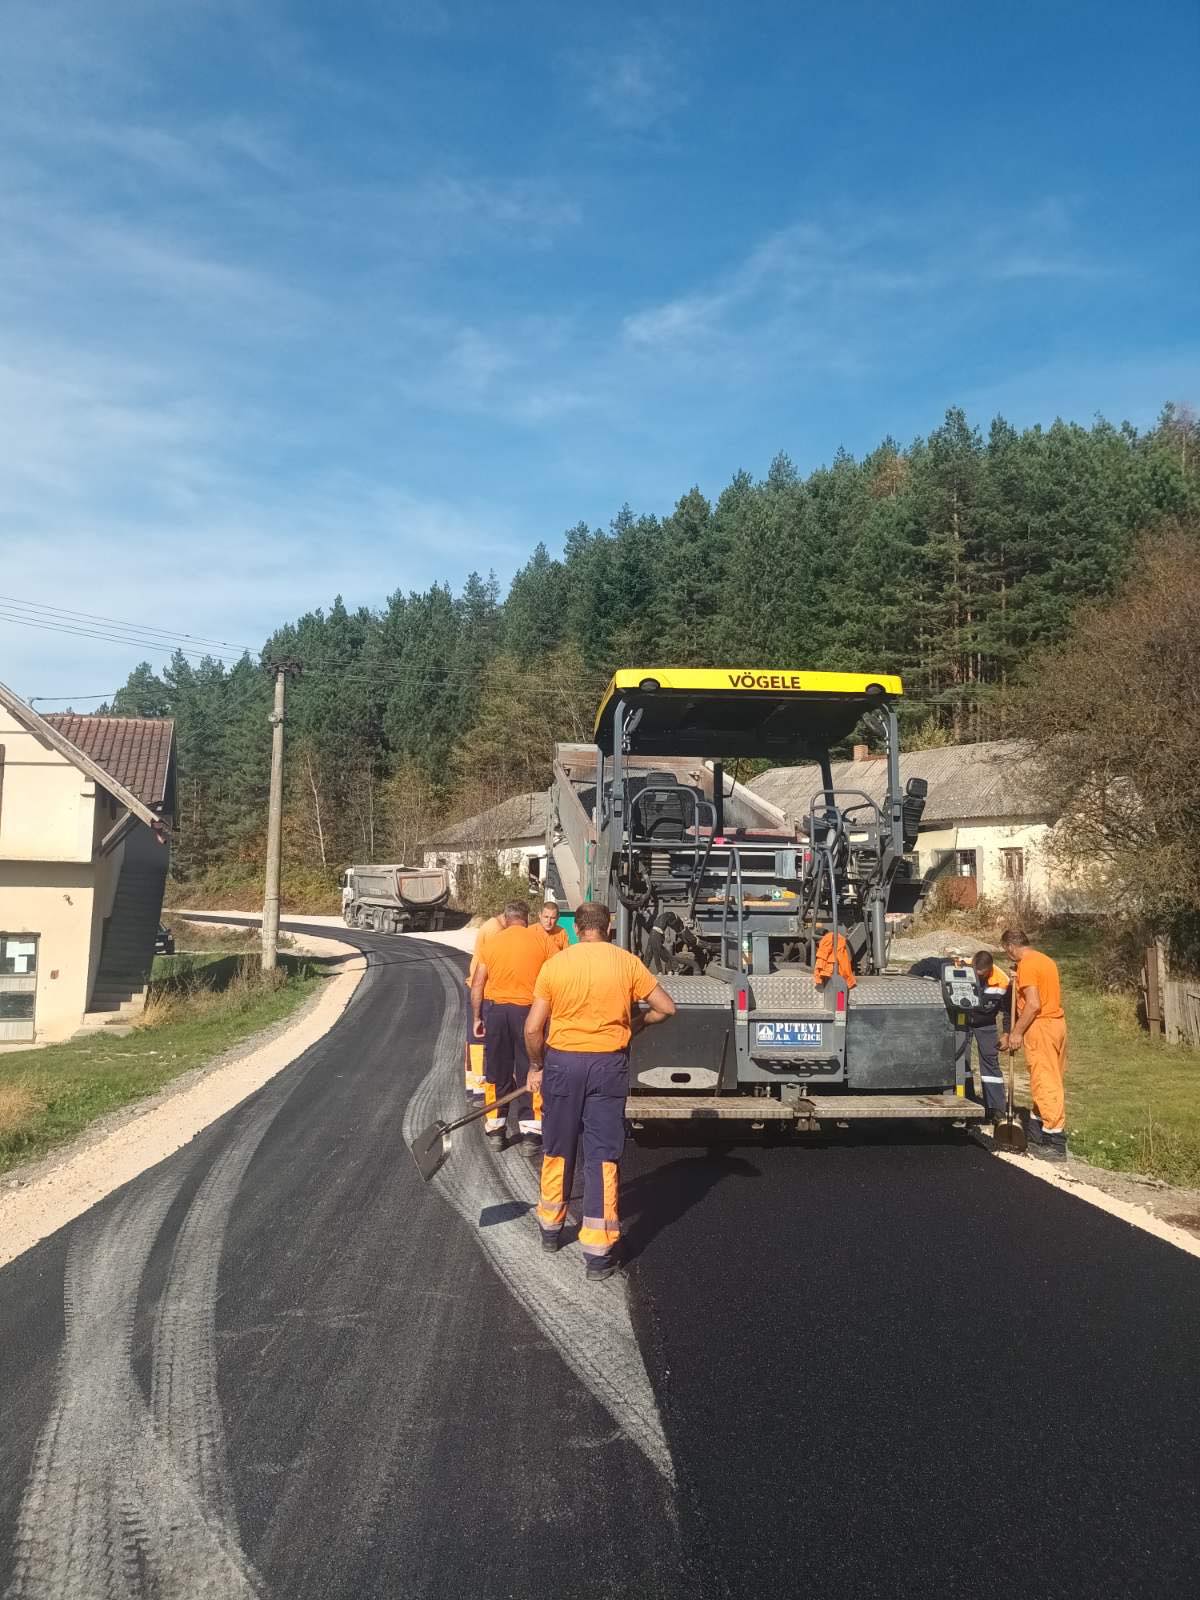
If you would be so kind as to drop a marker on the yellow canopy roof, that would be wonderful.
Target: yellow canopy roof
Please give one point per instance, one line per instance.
(740, 711)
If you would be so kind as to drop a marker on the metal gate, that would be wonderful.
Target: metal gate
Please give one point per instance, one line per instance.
(18, 986)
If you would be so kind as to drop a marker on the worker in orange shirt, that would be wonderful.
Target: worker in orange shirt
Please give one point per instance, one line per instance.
(506, 967)
(548, 921)
(473, 1078)
(586, 995)
(1041, 1029)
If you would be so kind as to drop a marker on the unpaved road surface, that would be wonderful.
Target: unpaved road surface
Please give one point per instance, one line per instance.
(278, 1365)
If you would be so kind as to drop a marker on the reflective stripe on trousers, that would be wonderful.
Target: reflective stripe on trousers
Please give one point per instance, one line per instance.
(990, 1075)
(583, 1099)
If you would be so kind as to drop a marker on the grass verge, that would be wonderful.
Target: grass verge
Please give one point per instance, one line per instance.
(1133, 1104)
(193, 936)
(198, 1007)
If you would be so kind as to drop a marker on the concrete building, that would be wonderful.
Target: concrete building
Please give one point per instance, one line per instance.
(511, 834)
(85, 806)
(983, 830)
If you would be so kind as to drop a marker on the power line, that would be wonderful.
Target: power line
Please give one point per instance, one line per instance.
(61, 612)
(114, 638)
(58, 699)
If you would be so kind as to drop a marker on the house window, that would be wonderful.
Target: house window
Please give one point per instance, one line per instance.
(1012, 865)
(18, 985)
(964, 863)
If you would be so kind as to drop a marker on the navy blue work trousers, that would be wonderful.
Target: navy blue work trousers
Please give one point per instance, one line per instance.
(583, 1102)
(505, 1059)
(990, 1074)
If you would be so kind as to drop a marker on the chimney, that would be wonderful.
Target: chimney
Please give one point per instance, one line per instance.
(861, 753)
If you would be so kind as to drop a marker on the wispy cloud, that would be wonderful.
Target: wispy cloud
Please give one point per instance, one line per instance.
(536, 209)
(638, 85)
(838, 290)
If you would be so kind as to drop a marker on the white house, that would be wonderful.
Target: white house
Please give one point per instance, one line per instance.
(85, 807)
(983, 823)
(512, 834)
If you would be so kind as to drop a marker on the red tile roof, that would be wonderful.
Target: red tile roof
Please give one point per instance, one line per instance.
(136, 751)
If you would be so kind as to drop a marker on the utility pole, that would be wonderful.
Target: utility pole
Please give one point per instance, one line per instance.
(270, 921)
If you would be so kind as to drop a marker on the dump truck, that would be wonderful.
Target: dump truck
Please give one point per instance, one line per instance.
(395, 899)
(729, 901)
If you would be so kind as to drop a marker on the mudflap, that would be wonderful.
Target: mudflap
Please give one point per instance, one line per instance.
(899, 1047)
(694, 1051)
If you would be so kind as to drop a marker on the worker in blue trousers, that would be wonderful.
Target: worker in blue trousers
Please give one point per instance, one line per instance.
(577, 1037)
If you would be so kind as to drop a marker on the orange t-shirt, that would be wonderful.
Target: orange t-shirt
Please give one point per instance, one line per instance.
(591, 988)
(557, 940)
(1036, 971)
(492, 925)
(513, 958)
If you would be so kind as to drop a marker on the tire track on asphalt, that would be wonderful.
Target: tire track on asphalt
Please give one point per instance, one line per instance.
(126, 1500)
(588, 1323)
(184, 1400)
(106, 1513)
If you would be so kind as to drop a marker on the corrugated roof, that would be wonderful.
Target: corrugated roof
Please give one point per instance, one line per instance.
(966, 782)
(525, 816)
(136, 751)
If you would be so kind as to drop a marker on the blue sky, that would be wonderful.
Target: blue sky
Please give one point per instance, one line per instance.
(298, 298)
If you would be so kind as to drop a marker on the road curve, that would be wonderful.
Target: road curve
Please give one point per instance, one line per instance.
(279, 1365)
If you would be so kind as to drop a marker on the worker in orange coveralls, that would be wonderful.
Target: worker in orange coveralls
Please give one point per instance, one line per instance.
(1041, 1030)
(823, 966)
(587, 995)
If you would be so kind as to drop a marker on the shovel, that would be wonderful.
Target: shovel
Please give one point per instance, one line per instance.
(1009, 1136)
(431, 1148)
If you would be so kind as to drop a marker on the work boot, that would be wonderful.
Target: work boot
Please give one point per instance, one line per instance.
(494, 1127)
(1033, 1127)
(551, 1242)
(531, 1128)
(1051, 1146)
(598, 1271)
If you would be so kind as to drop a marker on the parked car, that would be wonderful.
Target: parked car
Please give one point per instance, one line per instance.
(164, 942)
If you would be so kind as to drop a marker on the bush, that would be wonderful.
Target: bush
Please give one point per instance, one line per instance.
(1115, 960)
(484, 889)
(944, 909)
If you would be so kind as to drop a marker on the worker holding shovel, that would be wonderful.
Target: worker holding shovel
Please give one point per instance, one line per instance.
(587, 996)
(1041, 1028)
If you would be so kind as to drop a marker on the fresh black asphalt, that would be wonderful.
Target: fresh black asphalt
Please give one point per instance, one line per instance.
(886, 1367)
